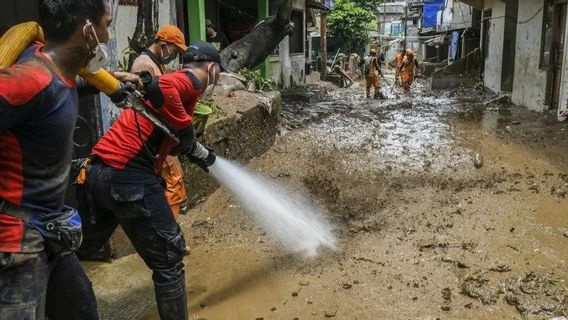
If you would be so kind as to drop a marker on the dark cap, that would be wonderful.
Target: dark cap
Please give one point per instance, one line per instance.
(202, 51)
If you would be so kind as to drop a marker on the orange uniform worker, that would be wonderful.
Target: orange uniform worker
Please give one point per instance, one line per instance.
(372, 71)
(397, 64)
(407, 69)
(168, 43)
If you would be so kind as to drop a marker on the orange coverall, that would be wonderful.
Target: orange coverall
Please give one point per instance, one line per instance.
(407, 70)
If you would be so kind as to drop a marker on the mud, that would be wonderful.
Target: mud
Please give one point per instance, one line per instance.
(425, 231)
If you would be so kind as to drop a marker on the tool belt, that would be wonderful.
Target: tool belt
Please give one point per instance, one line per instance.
(61, 231)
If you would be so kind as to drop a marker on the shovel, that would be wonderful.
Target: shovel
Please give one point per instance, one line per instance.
(392, 88)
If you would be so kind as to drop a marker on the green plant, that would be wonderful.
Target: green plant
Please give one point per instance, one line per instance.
(256, 78)
(349, 20)
(123, 63)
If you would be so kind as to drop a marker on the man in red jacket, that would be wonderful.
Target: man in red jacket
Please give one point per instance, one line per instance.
(124, 186)
(39, 273)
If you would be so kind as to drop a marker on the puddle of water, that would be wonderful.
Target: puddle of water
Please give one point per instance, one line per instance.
(389, 136)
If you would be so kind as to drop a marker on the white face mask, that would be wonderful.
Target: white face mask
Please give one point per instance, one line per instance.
(166, 59)
(209, 89)
(100, 53)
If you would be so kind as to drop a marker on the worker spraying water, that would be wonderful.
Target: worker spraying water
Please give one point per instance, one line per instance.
(296, 222)
(122, 183)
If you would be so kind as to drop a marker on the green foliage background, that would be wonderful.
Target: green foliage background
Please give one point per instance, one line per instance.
(350, 20)
(256, 77)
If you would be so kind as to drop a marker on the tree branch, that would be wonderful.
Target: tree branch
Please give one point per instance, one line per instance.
(255, 47)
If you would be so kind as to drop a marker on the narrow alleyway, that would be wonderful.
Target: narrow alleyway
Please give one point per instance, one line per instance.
(424, 233)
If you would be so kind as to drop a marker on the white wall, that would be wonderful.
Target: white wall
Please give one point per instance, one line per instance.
(126, 21)
(456, 15)
(529, 84)
(125, 25)
(124, 28)
(494, 59)
(287, 68)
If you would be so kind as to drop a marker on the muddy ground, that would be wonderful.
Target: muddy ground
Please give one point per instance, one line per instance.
(445, 208)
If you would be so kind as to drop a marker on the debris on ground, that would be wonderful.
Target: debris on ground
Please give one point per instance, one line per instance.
(331, 311)
(478, 286)
(537, 294)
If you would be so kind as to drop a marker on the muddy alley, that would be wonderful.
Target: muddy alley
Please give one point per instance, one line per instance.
(446, 205)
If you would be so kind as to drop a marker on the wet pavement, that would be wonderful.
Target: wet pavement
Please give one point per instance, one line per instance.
(446, 207)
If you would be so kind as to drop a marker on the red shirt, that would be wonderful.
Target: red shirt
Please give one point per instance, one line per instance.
(133, 142)
(38, 112)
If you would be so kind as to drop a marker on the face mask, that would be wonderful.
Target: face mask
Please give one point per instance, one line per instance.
(209, 89)
(100, 53)
(169, 58)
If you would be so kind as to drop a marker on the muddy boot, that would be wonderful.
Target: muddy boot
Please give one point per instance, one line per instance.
(172, 300)
(379, 95)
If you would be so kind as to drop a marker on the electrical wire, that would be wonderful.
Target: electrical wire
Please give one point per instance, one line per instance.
(515, 20)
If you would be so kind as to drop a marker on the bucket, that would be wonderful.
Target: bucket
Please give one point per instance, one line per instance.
(200, 117)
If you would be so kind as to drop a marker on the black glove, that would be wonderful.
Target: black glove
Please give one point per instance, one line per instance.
(203, 163)
(120, 97)
(187, 141)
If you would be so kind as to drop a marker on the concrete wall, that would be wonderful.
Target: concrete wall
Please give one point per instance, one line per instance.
(462, 72)
(456, 15)
(126, 21)
(494, 59)
(286, 69)
(125, 25)
(509, 42)
(529, 83)
(563, 100)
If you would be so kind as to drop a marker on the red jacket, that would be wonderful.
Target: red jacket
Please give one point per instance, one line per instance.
(133, 142)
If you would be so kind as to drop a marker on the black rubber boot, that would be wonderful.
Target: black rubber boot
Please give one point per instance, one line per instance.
(379, 95)
(172, 300)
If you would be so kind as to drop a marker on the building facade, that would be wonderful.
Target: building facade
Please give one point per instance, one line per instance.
(523, 47)
(426, 26)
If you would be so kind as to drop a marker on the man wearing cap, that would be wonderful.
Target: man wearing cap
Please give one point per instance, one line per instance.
(372, 72)
(218, 39)
(168, 43)
(124, 186)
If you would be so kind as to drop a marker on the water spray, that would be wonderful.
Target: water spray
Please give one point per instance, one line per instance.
(296, 222)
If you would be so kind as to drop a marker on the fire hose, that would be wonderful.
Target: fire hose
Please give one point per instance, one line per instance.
(18, 38)
(136, 103)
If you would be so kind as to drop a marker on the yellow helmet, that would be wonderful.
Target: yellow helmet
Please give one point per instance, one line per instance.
(373, 52)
